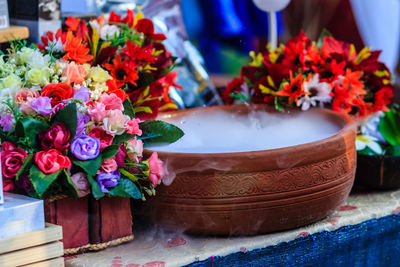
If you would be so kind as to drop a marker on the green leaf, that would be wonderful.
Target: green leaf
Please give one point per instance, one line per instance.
(119, 139)
(324, 33)
(128, 110)
(389, 127)
(89, 166)
(40, 181)
(109, 152)
(96, 191)
(27, 164)
(164, 132)
(126, 188)
(129, 175)
(68, 117)
(29, 128)
(71, 184)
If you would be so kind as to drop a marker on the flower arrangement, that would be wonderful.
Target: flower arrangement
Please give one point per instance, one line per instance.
(130, 51)
(74, 109)
(328, 73)
(380, 134)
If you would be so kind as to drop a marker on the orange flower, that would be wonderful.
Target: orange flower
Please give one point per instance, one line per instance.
(352, 82)
(294, 90)
(76, 50)
(123, 71)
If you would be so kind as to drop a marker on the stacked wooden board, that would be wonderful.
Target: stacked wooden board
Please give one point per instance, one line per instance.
(40, 248)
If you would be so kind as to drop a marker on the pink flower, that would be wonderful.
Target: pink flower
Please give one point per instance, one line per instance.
(23, 94)
(12, 159)
(114, 122)
(120, 156)
(108, 165)
(135, 149)
(133, 127)
(98, 132)
(97, 111)
(26, 107)
(81, 183)
(156, 169)
(8, 185)
(111, 101)
(74, 73)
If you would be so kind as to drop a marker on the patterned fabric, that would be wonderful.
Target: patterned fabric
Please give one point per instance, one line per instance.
(365, 231)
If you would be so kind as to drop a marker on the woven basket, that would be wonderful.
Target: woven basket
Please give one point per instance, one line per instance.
(89, 224)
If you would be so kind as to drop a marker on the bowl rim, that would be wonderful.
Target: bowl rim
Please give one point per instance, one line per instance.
(349, 124)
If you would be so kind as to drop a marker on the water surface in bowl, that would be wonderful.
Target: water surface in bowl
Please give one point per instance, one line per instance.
(225, 132)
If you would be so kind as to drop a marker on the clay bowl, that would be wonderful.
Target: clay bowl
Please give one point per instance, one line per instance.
(261, 191)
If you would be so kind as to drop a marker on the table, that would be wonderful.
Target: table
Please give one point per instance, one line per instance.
(13, 33)
(364, 231)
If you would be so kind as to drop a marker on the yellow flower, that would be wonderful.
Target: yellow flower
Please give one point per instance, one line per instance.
(37, 76)
(11, 81)
(99, 75)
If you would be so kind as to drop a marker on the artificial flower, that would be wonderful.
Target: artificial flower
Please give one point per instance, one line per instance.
(133, 126)
(12, 159)
(7, 122)
(81, 183)
(42, 105)
(134, 149)
(156, 169)
(108, 180)
(23, 94)
(123, 71)
(98, 132)
(115, 122)
(74, 73)
(51, 161)
(111, 102)
(76, 49)
(85, 147)
(58, 92)
(108, 165)
(56, 137)
(364, 141)
(293, 89)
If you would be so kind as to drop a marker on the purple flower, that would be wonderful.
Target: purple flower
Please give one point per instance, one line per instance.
(42, 105)
(108, 180)
(81, 123)
(85, 147)
(82, 94)
(7, 122)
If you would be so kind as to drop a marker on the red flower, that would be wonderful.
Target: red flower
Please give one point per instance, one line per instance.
(58, 92)
(352, 82)
(383, 98)
(329, 72)
(342, 99)
(113, 89)
(129, 18)
(146, 27)
(138, 53)
(78, 27)
(56, 137)
(51, 161)
(12, 159)
(76, 49)
(123, 71)
(50, 37)
(8, 185)
(294, 89)
(105, 139)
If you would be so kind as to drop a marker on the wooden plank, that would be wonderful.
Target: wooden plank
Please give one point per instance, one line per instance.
(31, 255)
(13, 33)
(50, 234)
(58, 262)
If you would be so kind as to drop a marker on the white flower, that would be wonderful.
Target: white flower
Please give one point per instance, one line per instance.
(11, 81)
(24, 54)
(36, 59)
(106, 31)
(37, 76)
(364, 141)
(56, 46)
(370, 126)
(318, 92)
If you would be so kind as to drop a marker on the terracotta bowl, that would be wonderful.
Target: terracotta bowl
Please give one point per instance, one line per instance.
(263, 191)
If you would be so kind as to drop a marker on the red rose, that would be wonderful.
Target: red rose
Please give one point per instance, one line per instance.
(51, 161)
(105, 139)
(57, 92)
(12, 159)
(56, 137)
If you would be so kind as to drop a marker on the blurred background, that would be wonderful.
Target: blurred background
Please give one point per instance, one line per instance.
(225, 31)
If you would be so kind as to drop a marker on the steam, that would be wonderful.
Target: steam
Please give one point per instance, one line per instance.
(223, 132)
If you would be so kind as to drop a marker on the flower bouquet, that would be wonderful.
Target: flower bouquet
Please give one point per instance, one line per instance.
(378, 148)
(73, 123)
(327, 73)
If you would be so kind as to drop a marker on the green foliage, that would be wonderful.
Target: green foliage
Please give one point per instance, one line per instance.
(68, 117)
(389, 127)
(27, 130)
(96, 191)
(126, 188)
(70, 184)
(128, 110)
(324, 33)
(119, 139)
(41, 181)
(109, 152)
(25, 166)
(158, 132)
(89, 166)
